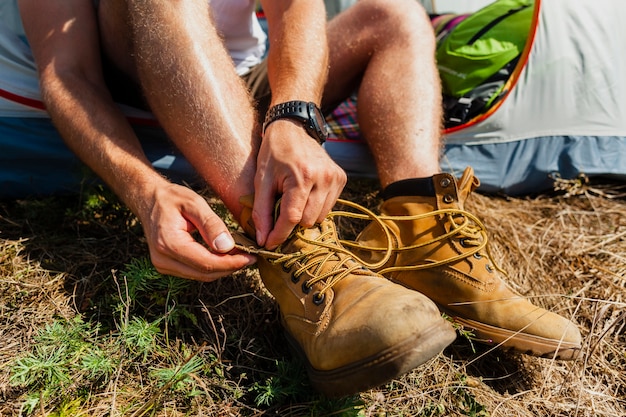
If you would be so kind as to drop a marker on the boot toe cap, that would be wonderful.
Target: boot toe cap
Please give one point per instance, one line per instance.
(381, 318)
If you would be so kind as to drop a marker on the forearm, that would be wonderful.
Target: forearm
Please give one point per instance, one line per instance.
(298, 56)
(98, 133)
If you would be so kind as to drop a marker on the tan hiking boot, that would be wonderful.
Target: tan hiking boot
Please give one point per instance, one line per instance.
(355, 329)
(441, 251)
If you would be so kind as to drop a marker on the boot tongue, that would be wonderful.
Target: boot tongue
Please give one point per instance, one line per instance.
(466, 184)
(293, 243)
(245, 220)
(296, 243)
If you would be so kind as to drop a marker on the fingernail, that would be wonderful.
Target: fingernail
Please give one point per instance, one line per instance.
(224, 242)
(259, 241)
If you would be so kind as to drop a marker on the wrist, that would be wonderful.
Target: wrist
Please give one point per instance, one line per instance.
(307, 114)
(141, 193)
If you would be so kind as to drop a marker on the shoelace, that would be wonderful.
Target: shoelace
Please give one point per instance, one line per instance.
(324, 248)
(464, 226)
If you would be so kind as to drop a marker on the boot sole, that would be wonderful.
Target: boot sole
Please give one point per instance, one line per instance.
(382, 367)
(520, 342)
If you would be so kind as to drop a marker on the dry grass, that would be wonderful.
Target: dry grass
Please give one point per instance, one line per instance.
(67, 258)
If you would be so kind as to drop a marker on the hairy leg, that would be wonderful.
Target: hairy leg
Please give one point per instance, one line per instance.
(385, 48)
(191, 86)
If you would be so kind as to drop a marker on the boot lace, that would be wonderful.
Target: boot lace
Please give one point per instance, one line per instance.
(325, 259)
(463, 226)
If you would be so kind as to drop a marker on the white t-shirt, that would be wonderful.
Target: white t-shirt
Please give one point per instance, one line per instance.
(235, 20)
(245, 39)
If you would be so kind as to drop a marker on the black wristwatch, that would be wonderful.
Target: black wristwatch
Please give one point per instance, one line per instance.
(306, 112)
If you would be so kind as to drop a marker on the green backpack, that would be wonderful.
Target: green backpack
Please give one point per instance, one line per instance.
(476, 58)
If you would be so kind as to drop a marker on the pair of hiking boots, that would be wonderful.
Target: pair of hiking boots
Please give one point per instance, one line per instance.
(357, 330)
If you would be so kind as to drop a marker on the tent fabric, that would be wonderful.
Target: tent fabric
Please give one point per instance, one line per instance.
(573, 82)
(19, 90)
(565, 114)
(532, 165)
(35, 161)
(513, 168)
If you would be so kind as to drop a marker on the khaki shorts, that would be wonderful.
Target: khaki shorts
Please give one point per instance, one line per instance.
(259, 86)
(126, 91)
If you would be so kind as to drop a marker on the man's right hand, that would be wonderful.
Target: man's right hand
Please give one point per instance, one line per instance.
(293, 165)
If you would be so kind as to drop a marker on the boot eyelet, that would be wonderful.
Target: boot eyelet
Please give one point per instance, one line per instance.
(477, 255)
(447, 198)
(295, 278)
(306, 288)
(318, 298)
(464, 243)
(489, 268)
(285, 268)
(445, 182)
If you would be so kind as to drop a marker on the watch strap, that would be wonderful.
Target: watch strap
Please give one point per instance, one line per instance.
(295, 109)
(302, 111)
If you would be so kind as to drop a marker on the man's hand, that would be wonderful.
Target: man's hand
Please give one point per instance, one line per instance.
(294, 165)
(175, 214)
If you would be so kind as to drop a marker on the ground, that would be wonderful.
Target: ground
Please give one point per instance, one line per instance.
(88, 327)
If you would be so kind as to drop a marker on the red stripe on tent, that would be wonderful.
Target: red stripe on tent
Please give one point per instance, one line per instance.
(342, 140)
(30, 102)
(512, 79)
(37, 104)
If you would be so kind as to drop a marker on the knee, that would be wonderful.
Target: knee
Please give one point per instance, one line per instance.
(395, 17)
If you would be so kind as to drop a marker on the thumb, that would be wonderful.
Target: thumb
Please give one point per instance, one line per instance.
(212, 229)
(223, 243)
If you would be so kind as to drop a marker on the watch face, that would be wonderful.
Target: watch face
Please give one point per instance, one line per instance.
(317, 118)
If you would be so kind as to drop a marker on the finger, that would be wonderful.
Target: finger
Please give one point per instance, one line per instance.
(211, 227)
(323, 198)
(327, 206)
(194, 261)
(263, 210)
(291, 208)
(332, 199)
(181, 270)
(314, 211)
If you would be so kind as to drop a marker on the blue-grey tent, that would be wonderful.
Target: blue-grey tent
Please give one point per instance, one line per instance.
(564, 113)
